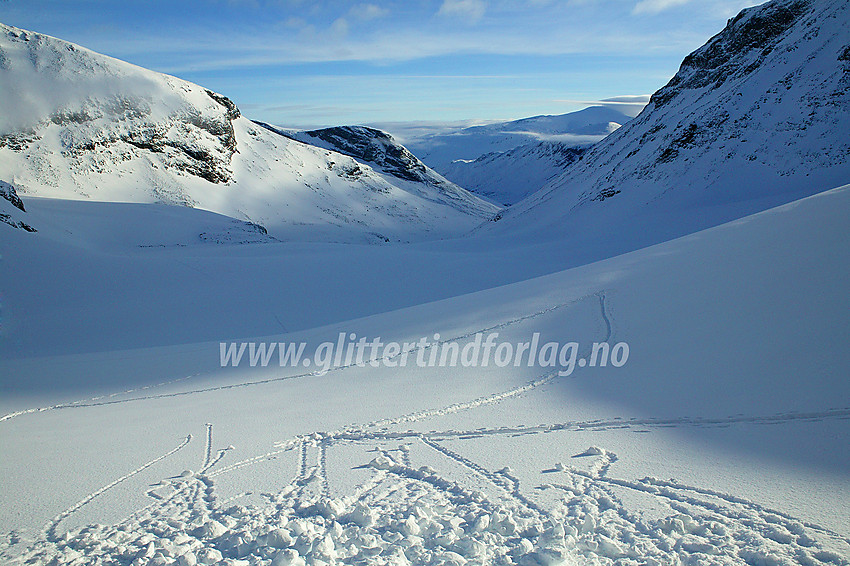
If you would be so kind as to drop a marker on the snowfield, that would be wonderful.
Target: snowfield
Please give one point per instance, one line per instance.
(720, 441)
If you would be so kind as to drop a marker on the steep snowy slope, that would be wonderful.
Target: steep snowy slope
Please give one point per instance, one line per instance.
(756, 117)
(508, 177)
(576, 128)
(75, 124)
(380, 151)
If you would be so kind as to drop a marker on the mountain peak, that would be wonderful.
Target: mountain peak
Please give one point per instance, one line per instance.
(741, 48)
(80, 125)
(377, 149)
(754, 118)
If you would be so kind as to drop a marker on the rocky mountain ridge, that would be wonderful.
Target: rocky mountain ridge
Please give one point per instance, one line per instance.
(755, 118)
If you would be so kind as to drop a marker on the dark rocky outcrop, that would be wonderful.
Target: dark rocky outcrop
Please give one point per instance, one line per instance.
(8, 193)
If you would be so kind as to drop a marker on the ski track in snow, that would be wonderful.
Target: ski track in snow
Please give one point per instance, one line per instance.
(520, 525)
(93, 401)
(51, 528)
(99, 400)
(208, 449)
(209, 461)
(323, 469)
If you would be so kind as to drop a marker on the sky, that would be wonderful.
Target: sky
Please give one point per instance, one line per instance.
(304, 63)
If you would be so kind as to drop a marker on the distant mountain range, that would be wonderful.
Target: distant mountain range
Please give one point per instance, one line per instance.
(755, 118)
(584, 127)
(506, 161)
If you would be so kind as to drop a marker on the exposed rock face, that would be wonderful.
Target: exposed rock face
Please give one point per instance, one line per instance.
(7, 212)
(380, 151)
(8, 192)
(754, 32)
(375, 147)
(232, 110)
(120, 114)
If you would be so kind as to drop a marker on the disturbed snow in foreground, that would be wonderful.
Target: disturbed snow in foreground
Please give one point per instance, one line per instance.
(720, 441)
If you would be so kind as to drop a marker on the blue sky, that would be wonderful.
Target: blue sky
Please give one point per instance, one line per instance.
(324, 62)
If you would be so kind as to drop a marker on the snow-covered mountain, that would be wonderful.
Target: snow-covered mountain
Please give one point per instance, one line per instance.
(756, 117)
(378, 150)
(510, 176)
(576, 128)
(79, 125)
(591, 121)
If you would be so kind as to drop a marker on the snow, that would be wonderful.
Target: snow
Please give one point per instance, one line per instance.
(746, 417)
(109, 131)
(720, 441)
(510, 176)
(749, 122)
(504, 162)
(378, 149)
(12, 208)
(583, 127)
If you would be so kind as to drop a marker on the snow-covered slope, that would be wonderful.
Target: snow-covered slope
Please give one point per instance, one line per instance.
(510, 176)
(576, 128)
(380, 151)
(756, 117)
(79, 125)
(718, 442)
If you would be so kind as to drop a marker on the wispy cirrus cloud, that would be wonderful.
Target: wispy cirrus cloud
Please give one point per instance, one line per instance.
(446, 59)
(630, 104)
(469, 10)
(357, 13)
(366, 12)
(656, 6)
(194, 52)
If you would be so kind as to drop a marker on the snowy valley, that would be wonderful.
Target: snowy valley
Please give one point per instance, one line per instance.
(146, 224)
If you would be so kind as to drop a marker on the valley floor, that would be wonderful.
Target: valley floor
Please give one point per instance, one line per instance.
(722, 440)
